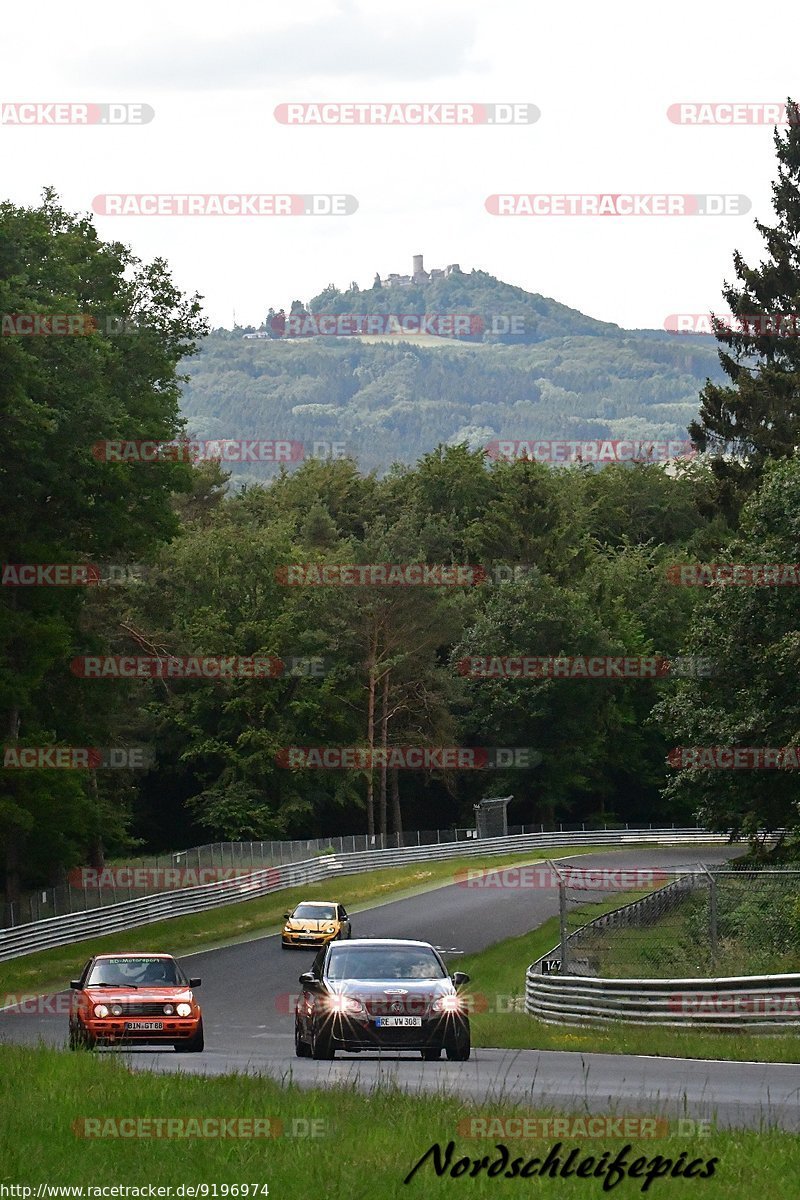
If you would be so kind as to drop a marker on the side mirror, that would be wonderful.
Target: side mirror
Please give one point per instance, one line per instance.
(75, 984)
(286, 916)
(308, 979)
(460, 978)
(195, 982)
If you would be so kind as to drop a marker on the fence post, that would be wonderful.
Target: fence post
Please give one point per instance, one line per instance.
(562, 921)
(562, 914)
(712, 916)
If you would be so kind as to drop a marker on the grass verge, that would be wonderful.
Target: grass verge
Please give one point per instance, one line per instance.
(49, 969)
(365, 1147)
(498, 973)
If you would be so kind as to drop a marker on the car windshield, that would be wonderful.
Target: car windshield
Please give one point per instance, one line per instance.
(315, 912)
(384, 962)
(135, 971)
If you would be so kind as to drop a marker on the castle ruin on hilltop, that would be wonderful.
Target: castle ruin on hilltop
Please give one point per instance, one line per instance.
(418, 275)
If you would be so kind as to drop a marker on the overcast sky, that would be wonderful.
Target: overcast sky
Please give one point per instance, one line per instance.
(603, 77)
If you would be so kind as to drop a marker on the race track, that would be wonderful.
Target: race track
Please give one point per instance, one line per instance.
(248, 990)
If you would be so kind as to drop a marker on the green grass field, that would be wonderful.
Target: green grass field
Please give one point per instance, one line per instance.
(364, 1146)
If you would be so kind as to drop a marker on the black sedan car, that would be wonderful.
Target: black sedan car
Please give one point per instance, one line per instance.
(376, 994)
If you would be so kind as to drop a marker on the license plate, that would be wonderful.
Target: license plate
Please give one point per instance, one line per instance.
(398, 1022)
(136, 1026)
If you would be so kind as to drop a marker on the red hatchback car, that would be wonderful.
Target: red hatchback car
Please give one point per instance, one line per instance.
(135, 998)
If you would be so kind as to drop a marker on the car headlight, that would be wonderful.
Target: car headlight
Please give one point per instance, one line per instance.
(100, 1010)
(330, 929)
(116, 1010)
(447, 1004)
(184, 1010)
(168, 1010)
(346, 1004)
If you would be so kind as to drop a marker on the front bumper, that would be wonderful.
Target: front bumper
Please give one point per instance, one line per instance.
(312, 939)
(355, 1033)
(112, 1029)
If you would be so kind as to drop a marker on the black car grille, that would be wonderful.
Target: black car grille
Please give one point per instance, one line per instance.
(399, 1006)
(142, 1008)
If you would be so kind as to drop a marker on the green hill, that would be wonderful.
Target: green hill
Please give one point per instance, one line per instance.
(564, 376)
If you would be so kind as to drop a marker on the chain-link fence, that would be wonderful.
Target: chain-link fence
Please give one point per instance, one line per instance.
(686, 922)
(86, 888)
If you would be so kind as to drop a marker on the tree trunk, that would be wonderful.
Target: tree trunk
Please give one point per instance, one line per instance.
(371, 733)
(384, 747)
(96, 852)
(13, 836)
(397, 816)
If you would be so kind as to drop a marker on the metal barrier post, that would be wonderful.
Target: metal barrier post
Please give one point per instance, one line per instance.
(712, 915)
(562, 914)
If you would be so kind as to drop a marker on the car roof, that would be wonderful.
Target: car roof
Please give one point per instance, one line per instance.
(380, 942)
(134, 954)
(327, 903)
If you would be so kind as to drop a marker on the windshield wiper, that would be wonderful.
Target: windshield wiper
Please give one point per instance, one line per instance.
(114, 985)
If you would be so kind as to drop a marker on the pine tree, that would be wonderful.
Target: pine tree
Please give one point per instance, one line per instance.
(757, 416)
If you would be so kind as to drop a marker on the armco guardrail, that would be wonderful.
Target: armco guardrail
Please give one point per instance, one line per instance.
(147, 875)
(759, 1002)
(130, 914)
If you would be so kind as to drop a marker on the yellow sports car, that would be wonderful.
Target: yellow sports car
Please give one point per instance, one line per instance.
(315, 923)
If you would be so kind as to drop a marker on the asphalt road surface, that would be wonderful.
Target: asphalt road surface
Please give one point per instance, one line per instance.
(248, 995)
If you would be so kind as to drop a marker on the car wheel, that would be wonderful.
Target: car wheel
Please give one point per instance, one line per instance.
(321, 1044)
(458, 1048)
(431, 1053)
(301, 1048)
(192, 1045)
